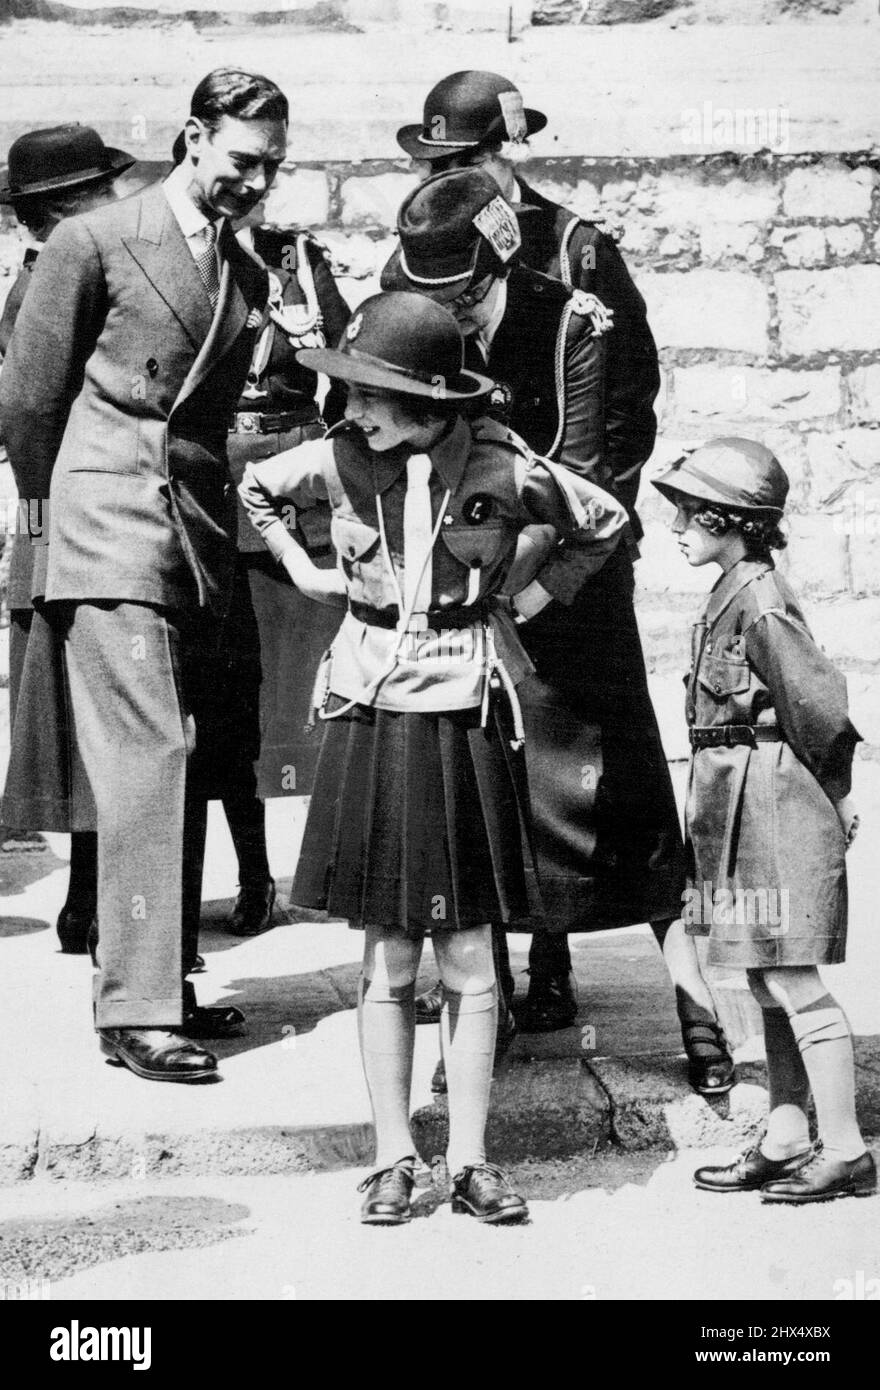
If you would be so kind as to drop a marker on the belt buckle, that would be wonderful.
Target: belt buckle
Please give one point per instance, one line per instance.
(248, 421)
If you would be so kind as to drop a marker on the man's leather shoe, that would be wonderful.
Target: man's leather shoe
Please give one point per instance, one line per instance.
(157, 1054)
(430, 1004)
(252, 913)
(549, 1005)
(749, 1172)
(824, 1178)
(388, 1193)
(217, 1021)
(482, 1190)
(73, 928)
(503, 1038)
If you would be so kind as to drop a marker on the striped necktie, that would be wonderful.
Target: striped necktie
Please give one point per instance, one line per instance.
(206, 261)
(417, 529)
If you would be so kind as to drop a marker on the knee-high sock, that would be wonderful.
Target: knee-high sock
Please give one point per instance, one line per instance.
(787, 1128)
(387, 1025)
(468, 1024)
(824, 1038)
(246, 818)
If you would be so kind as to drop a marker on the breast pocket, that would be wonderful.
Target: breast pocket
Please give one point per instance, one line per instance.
(477, 546)
(724, 678)
(359, 549)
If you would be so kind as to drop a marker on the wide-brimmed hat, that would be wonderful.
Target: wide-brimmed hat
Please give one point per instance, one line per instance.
(60, 157)
(738, 473)
(402, 343)
(455, 229)
(466, 110)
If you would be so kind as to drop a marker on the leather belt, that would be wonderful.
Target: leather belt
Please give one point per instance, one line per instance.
(438, 620)
(267, 422)
(731, 735)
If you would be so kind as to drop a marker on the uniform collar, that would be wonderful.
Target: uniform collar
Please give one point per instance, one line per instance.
(729, 585)
(448, 458)
(191, 220)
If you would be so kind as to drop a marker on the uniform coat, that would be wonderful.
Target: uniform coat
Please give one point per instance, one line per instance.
(559, 244)
(760, 820)
(606, 825)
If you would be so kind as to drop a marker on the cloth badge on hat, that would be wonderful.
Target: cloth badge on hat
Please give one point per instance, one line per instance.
(511, 104)
(497, 223)
(354, 327)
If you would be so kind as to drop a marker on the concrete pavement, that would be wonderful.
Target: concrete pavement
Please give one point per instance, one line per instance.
(292, 1096)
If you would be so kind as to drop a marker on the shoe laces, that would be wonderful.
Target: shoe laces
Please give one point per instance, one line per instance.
(473, 1173)
(392, 1177)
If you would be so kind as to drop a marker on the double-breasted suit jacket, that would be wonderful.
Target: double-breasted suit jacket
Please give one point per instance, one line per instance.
(113, 407)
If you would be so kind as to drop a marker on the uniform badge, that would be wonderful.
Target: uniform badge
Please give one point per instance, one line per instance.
(354, 327)
(501, 399)
(512, 110)
(477, 509)
(737, 648)
(497, 223)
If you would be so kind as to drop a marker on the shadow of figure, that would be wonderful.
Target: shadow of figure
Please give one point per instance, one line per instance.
(21, 926)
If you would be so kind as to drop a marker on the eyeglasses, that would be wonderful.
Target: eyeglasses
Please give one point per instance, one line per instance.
(469, 298)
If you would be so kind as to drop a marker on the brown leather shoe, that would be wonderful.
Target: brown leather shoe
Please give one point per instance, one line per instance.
(749, 1172)
(157, 1054)
(824, 1178)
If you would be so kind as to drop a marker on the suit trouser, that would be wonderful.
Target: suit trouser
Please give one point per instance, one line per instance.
(133, 725)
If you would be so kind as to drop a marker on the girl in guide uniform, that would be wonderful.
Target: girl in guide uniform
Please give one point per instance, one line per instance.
(768, 819)
(419, 815)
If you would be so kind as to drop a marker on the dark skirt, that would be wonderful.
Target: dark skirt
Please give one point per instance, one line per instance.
(606, 830)
(251, 696)
(46, 784)
(418, 823)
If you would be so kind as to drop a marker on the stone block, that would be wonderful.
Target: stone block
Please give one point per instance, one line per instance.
(848, 630)
(864, 393)
(740, 395)
(828, 310)
(840, 460)
(844, 241)
(725, 240)
(374, 201)
(300, 198)
(707, 309)
(682, 199)
(816, 561)
(829, 191)
(800, 245)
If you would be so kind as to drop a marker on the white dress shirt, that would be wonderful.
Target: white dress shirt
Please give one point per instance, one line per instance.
(191, 220)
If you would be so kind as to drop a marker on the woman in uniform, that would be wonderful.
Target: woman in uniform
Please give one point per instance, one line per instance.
(768, 820)
(418, 819)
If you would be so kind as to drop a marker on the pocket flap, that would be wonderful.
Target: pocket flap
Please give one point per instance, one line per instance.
(475, 545)
(354, 539)
(722, 677)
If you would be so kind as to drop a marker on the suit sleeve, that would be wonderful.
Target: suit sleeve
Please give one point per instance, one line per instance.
(633, 374)
(809, 696)
(55, 334)
(273, 488)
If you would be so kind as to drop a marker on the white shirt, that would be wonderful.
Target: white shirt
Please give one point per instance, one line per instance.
(191, 220)
(487, 333)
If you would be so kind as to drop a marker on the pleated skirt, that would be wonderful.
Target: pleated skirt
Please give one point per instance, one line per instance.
(418, 823)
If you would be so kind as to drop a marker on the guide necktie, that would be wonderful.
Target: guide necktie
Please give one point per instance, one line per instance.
(417, 530)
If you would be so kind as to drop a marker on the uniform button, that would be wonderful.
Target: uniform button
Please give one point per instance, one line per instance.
(227, 488)
(152, 366)
(448, 520)
(708, 646)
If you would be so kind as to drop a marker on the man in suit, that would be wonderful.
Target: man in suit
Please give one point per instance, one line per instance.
(52, 174)
(129, 355)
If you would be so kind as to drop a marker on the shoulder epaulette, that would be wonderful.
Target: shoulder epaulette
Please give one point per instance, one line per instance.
(591, 306)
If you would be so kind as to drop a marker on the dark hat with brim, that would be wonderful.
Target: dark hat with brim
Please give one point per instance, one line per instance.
(403, 343)
(62, 157)
(738, 473)
(467, 110)
(455, 229)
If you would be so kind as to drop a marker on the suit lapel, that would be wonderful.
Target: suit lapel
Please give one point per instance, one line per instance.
(243, 291)
(161, 251)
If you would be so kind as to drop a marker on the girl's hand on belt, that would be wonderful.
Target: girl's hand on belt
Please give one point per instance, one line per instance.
(848, 817)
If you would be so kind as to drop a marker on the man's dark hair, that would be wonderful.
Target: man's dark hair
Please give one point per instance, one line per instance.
(245, 96)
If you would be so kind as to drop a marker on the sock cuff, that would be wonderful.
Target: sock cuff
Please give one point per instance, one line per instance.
(818, 1026)
(479, 1003)
(377, 992)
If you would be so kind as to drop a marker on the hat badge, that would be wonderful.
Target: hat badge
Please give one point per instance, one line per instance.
(497, 223)
(354, 328)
